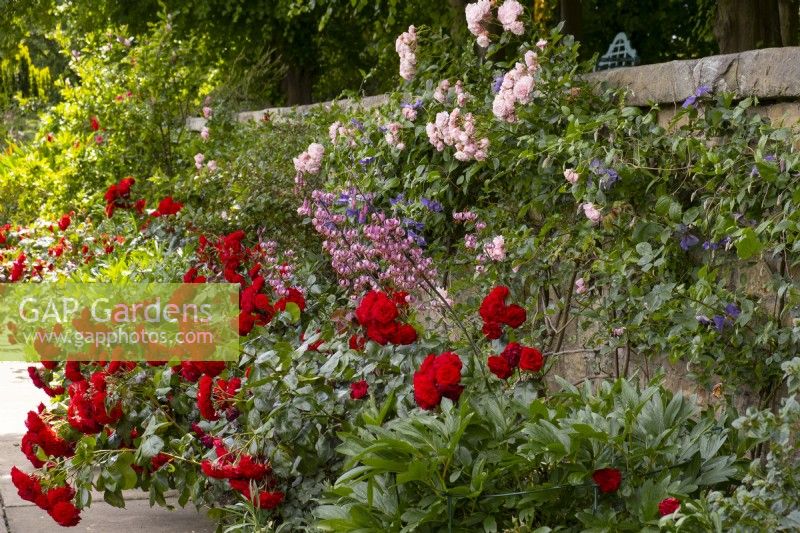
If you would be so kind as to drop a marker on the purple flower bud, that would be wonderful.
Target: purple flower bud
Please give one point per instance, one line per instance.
(688, 240)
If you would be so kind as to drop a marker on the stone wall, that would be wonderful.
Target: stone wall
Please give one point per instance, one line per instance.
(771, 74)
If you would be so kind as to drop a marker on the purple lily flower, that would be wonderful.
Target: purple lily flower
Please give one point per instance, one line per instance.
(733, 311)
(719, 322)
(366, 160)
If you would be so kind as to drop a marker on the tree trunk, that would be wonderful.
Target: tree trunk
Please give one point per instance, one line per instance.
(748, 24)
(572, 15)
(297, 85)
(789, 13)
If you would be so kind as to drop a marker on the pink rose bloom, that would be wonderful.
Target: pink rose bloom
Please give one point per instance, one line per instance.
(496, 250)
(406, 46)
(591, 212)
(212, 166)
(580, 286)
(541, 43)
(571, 176)
(198, 160)
(508, 14)
(207, 112)
(441, 91)
(409, 113)
(618, 332)
(204, 133)
(478, 15)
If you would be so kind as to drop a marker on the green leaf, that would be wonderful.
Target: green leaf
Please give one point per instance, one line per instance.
(151, 446)
(748, 245)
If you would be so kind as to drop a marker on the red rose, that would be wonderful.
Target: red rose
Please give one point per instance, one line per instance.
(246, 323)
(28, 486)
(607, 479)
(499, 366)
(269, 500)
(124, 186)
(493, 305)
(65, 514)
(531, 359)
(667, 506)
(425, 392)
(512, 352)
(404, 334)
(358, 390)
(357, 343)
(204, 400)
(514, 316)
(167, 207)
(94, 123)
(64, 223)
(383, 310)
(492, 330)
(382, 333)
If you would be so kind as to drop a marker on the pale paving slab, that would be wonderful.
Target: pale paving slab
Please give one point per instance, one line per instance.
(103, 518)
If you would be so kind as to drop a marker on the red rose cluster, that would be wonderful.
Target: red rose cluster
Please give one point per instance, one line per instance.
(607, 479)
(118, 197)
(495, 313)
(211, 395)
(241, 474)
(438, 376)
(39, 383)
(57, 501)
(378, 314)
(167, 207)
(65, 221)
(515, 356)
(41, 435)
(87, 410)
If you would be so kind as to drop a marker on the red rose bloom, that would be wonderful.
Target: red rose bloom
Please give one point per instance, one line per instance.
(64, 223)
(204, 400)
(65, 514)
(495, 313)
(498, 365)
(404, 334)
(607, 479)
(269, 500)
(667, 506)
(358, 390)
(438, 377)
(425, 392)
(167, 207)
(514, 316)
(492, 330)
(94, 123)
(294, 296)
(357, 343)
(531, 359)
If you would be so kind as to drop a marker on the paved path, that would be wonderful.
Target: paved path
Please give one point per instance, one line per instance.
(17, 397)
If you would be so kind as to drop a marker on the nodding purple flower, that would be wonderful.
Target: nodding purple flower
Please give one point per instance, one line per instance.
(343, 199)
(770, 158)
(412, 224)
(704, 320)
(719, 322)
(351, 213)
(702, 91)
(711, 245)
(417, 238)
(692, 100)
(609, 175)
(687, 241)
(399, 199)
(415, 105)
(432, 205)
(498, 83)
(611, 178)
(366, 160)
(382, 129)
(357, 123)
(733, 311)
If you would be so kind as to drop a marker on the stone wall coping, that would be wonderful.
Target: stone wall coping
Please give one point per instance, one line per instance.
(768, 74)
